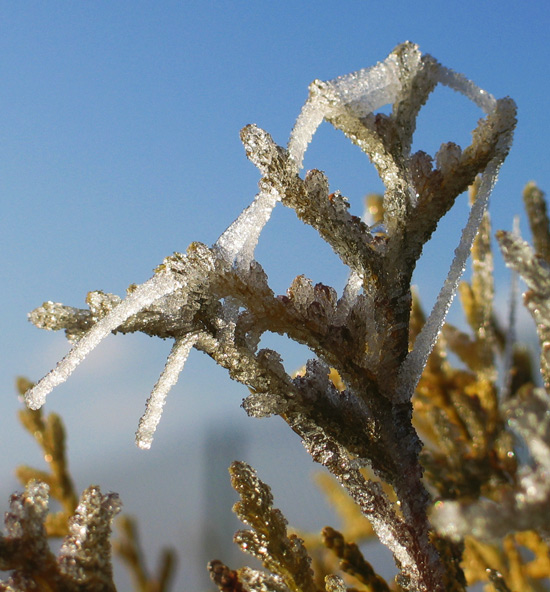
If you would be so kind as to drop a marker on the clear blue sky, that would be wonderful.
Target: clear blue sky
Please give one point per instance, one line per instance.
(119, 128)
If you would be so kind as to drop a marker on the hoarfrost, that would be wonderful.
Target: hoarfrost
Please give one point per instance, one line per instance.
(238, 242)
(412, 367)
(218, 299)
(363, 92)
(343, 101)
(174, 365)
(157, 287)
(86, 551)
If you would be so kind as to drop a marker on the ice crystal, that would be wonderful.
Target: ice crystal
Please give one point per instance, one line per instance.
(218, 299)
(334, 584)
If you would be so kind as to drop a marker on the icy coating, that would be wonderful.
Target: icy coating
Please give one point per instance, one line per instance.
(218, 300)
(174, 365)
(411, 369)
(361, 93)
(147, 293)
(84, 558)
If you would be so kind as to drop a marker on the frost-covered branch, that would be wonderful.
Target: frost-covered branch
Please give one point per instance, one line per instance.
(218, 299)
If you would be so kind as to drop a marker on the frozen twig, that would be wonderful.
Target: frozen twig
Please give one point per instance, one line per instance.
(218, 299)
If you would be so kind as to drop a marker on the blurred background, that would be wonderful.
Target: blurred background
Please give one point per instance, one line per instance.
(119, 144)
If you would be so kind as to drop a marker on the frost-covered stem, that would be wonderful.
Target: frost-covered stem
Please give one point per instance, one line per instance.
(420, 566)
(158, 286)
(174, 365)
(412, 495)
(414, 503)
(415, 362)
(218, 300)
(394, 453)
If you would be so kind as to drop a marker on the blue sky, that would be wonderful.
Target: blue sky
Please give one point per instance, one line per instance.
(119, 129)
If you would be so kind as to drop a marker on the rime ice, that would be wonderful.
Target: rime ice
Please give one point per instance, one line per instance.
(84, 559)
(218, 299)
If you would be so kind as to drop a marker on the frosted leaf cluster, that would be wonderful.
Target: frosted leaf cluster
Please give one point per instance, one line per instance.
(84, 559)
(217, 299)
